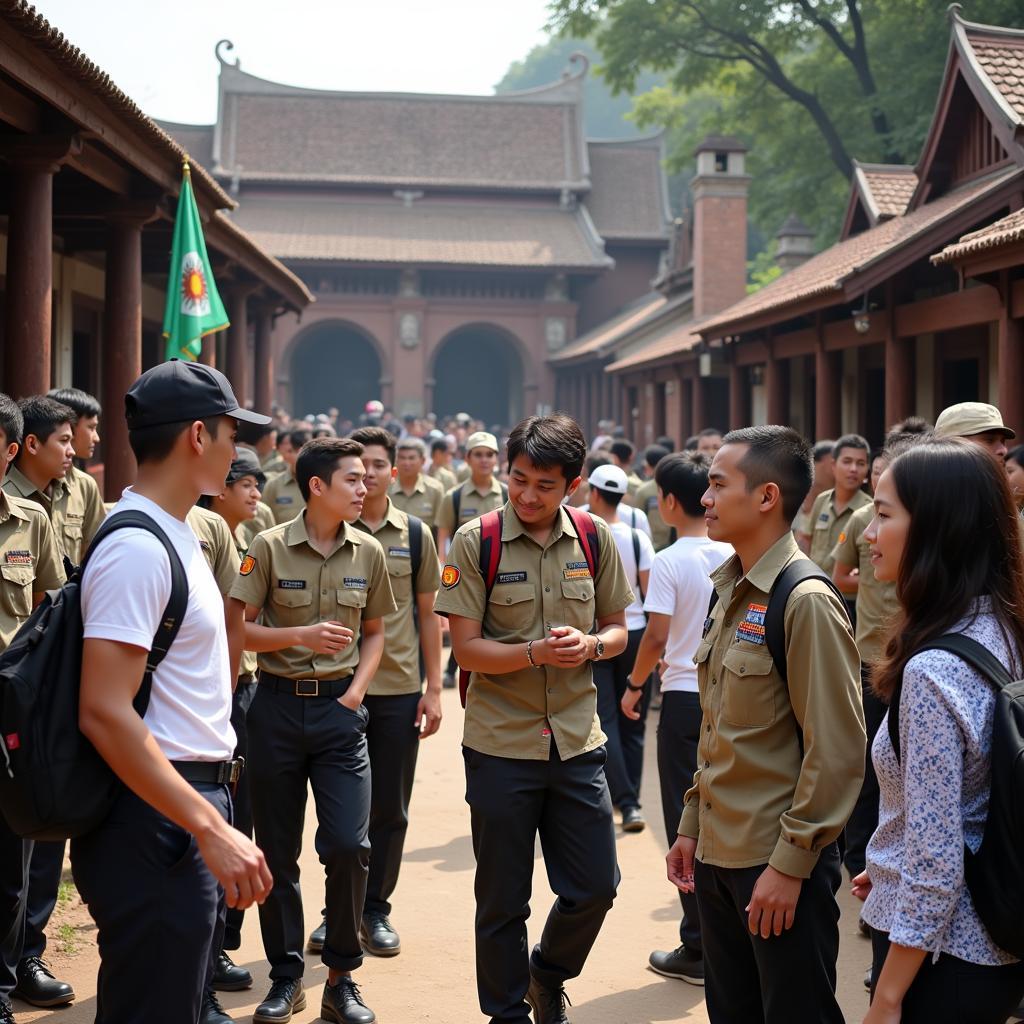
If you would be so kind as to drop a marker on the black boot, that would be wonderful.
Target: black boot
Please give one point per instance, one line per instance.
(284, 998)
(378, 935)
(343, 1003)
(212, 1012)
(548, 1004)
(228, 976)
(36, 985)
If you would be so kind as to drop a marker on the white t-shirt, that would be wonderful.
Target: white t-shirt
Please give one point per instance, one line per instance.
(623, 535)
(125, 590)
(680, 586)
(634, 517)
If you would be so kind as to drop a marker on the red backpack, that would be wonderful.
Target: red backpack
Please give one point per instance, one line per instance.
(490, 555)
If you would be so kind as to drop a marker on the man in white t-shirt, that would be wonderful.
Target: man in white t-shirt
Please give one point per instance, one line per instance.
(152, 873)
(625, 745)
(677, 605)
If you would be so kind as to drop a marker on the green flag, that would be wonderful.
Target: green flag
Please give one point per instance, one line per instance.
(193, 307)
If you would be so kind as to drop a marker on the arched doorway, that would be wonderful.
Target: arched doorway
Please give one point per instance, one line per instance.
(478, 370)
(334, 365)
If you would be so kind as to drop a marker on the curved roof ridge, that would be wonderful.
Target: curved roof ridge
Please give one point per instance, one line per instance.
(955, 12)
(884, 168)
(962, 31)
(651, 139)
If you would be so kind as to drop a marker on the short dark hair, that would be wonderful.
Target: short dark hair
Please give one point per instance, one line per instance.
(43, 415)
(910, 425)
(623, 450)
(691, 443)
(822, 450)
(378, 437)
(654, 453)
(320, 457)
(298, 437)
(709, 432)
(666, 442)
(439, 444)
(413, 444)
(684, 475)
(595, 459)
(154, 444)
(1015, 454)
(549, 441)
(611, 498)
(81, 403)
(11, 421)
(251, 433)
(778, 455)
(851, 441)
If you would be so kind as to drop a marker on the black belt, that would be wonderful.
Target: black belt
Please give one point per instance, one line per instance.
(221, 773)
(306, 687)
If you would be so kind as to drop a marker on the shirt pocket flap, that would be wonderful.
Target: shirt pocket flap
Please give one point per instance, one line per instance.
(73, 530)
(398, 566)
(292, 598)
(578, 590)
(352, 597)
(20, 575)
(747, 663)
(512, 593)
(703, 651)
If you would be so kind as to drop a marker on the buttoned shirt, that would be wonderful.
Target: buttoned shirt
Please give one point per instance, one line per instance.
(646, 499)
(827, 524)
(30, 561)
(778, 767)
(473, 502)
(443, 475)
(263, 520)
(283, 497)
(272, 463)
(424, 501)
(295, 585)
(518, 714)
(399, 670)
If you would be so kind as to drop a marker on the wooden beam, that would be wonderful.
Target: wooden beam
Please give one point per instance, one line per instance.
(751, 353)
(102, 169)
(18, 110)
(978, 305)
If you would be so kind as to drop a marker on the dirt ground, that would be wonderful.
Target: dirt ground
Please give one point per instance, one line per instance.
(433, 979)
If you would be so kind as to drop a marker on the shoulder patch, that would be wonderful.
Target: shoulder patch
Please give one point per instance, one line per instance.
(247, 566)
(842, 537)
(450, 576)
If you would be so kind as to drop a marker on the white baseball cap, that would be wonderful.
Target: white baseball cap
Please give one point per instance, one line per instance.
(609, 478)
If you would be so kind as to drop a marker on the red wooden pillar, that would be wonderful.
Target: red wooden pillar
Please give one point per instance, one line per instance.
(698, 405)
(775, 390)
(827, 386)
(238, 343)
(899, 378)
(263, 370)
(208, 356)
(739, 407)
(1011, 362)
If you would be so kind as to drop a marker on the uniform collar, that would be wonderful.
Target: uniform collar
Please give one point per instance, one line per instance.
(859, 500)
(8, 508)
(495, 488)
(394, 516)
(765, 570)
(26, 488)
(295, 534)
(512, 526)
(418, 489)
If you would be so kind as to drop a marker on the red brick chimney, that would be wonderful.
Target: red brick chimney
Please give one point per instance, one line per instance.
(719, 224)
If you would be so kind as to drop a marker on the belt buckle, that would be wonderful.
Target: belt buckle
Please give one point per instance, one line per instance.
(307, 687)
(235, 768)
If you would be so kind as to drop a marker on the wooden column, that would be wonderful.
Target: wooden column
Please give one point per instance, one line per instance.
(238, 342)
(775, 389)
(208, 356)
(828, 406)
(263, 370)
(739, 407)
(900, 399)
(122, 347)
(698, 406)
(1011, 361)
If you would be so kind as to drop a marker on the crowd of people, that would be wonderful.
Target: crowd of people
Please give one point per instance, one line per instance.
(775, 602)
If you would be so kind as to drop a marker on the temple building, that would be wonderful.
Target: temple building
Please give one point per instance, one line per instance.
(453, 243)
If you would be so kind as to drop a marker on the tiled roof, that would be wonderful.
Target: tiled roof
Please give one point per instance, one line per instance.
(426, 233)
(887, 188)
(1002, 60)
(1002, 232)
(627, 197)
(195, 139)
(603, 337)
(678, 338)
(831, 269)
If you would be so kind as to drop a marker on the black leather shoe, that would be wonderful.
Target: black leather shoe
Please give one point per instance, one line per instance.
(286, 996)
(36, 985)
(344, 1004)
(212, 1012)
(378, 936)
(548, 1004)
(681, 963)
(317, 938)
(633, 820)
(6, 1013)
(228, 976)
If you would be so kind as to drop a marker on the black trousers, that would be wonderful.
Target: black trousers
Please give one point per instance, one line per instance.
(678, 734)
(785, 978)
(393, 739)
(511, 802)
(315, 741)
(158, 911)
(625, 737)
(864, 818)
(954, 990)
(15, 855)
(43, 883)
(240, 702)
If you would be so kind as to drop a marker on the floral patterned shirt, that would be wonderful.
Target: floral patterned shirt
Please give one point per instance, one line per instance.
(934, 800)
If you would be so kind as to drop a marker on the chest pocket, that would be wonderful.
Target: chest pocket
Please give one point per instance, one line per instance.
(578, 603)
(292, 607)
(748, 696)
(400, 572)
(73, 540)
(511, 607)
(17, 589)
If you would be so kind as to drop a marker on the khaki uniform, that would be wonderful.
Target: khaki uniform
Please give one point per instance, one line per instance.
(755, 797)
(443, 475)
(473, 503)
(463, 473)
(827, 524)
(294, 585)
(283, 497)
(877, 604)
(399, 670)
(30, 561)
(272, 464)
(74, 506)
(263, 520)
(424, 502)
(517, 714)
(633, 484)
(646, 500)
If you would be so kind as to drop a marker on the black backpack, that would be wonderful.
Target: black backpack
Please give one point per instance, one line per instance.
(53, 783)
(995, 874)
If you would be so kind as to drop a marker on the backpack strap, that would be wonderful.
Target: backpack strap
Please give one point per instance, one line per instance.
(586, 530)
(490, 555)
(977, 656)
(504, 492)
(636, 561)
(177, 603)
(457, 504)
(415, 547)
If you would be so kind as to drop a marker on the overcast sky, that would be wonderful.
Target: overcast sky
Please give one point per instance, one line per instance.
(160, 52)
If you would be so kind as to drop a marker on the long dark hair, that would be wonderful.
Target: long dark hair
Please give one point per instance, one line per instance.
(963, 543)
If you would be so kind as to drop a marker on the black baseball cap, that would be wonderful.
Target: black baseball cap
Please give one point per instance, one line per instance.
(178, 392)
(246, 463)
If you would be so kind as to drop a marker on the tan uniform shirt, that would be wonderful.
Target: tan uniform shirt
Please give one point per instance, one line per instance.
(30, 561)
(95, 510)
(283, 497)
(755, 799)
(443, 475)
(294, 585)
(877, 605)
(272, 463)
(646, 500)
(399, 670)
(518, 714)
(263, 520)
(72, 507)
(826, 525)
(473, 503)
(424, 502)
(463, 473)
(633, 484)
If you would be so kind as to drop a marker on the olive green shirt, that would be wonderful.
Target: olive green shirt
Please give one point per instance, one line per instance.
(283, 497)
(272, 463)
(443, 475)
(294, 585)
(877, 605)
(424, 502)
(30, 561)
(827, 524)
(474, 502)
(646, 499)
(779, 767)
(518, 714)
(633, 484)
(263, 520)
(399, 670)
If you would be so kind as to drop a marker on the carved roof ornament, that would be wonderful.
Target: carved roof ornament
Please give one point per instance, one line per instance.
(226, 44)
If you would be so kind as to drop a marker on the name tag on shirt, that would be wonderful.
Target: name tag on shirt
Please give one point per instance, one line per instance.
(355, 582)
(468, 513)
(292, 584)
(284, 499)
(399, 552)
(823, 521)
(511, 577)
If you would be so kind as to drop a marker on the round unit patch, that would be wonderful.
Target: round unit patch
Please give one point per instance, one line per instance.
(247, 566)
(450, 576)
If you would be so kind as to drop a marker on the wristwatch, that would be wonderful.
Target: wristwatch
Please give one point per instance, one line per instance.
(598, 649)
(631, 687)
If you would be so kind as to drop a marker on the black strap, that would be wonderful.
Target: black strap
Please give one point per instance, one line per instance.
(457, 504)
(177, 603)
(504, 492)
(415, 547)
(636, 561)
(966, 649)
